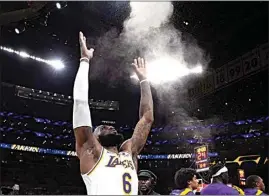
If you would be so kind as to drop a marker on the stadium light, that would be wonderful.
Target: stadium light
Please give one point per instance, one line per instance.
(20, 28)
(17, 30)
(58, 5)
(56, 64)
(24, 54)
(168, 69)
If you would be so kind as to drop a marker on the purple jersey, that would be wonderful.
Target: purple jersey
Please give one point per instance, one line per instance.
(253, 191)
(218, 189)
(186, 191)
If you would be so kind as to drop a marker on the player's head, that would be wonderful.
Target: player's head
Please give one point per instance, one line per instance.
(147, 181)
(186, 178)
(255, 181)
(219, 173)
(108, 136)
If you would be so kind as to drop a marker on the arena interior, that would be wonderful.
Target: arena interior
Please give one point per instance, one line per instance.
(225, 107)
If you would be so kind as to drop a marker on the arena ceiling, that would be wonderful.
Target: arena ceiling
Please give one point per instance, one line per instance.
(223, 29)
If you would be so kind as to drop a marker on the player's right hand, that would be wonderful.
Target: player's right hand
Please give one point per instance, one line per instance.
(84, 51)
(139, 66)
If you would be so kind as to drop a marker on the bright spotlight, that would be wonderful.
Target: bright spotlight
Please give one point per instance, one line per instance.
(56, 64)
(20, 28)
(24, 54)
(165, 69)
(61, 4)
(58, 5)
(168, 69)
(185, 22)
(17, 30)
(197, 69)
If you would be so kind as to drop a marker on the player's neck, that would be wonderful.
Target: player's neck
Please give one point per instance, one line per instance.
(189, 187)
(113, 149)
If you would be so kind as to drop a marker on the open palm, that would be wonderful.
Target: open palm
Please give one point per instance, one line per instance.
(139, 66)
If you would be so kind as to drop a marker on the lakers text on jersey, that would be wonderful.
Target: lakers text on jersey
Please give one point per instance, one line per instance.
(113, 174)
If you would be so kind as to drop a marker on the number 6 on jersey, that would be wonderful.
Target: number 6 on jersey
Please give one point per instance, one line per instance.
(127, 187)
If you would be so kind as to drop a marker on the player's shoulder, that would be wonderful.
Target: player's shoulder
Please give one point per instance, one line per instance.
(232, 190)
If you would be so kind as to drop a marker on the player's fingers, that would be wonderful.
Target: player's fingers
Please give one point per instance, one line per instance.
(143, 62)
(80, 36)
(139, 62)
(91, 50)
(135, 62)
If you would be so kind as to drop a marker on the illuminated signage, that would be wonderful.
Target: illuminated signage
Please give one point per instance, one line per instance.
(201, 158)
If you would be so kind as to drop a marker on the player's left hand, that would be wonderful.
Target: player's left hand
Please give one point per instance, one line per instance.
(139, 66)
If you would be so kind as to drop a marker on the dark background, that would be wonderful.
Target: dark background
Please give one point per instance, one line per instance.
(225, 30)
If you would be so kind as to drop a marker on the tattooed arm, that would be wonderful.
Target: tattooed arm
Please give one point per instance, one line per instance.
(136, 143)
(143, 126)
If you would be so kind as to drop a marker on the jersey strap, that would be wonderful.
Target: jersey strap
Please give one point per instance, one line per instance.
(240, 191)
(259, 192)
(186, 191)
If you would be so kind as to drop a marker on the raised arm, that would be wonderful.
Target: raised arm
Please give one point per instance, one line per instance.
(142, 128)
(85, 140)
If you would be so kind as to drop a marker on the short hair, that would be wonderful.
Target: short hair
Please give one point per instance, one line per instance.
(182, 177)
(252, 180)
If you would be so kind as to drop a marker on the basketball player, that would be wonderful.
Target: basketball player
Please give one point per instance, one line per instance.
(105, 169)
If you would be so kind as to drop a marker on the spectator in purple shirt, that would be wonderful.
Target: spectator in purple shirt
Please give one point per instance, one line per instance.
(255, 185)
(219, 182)
(186, 182)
